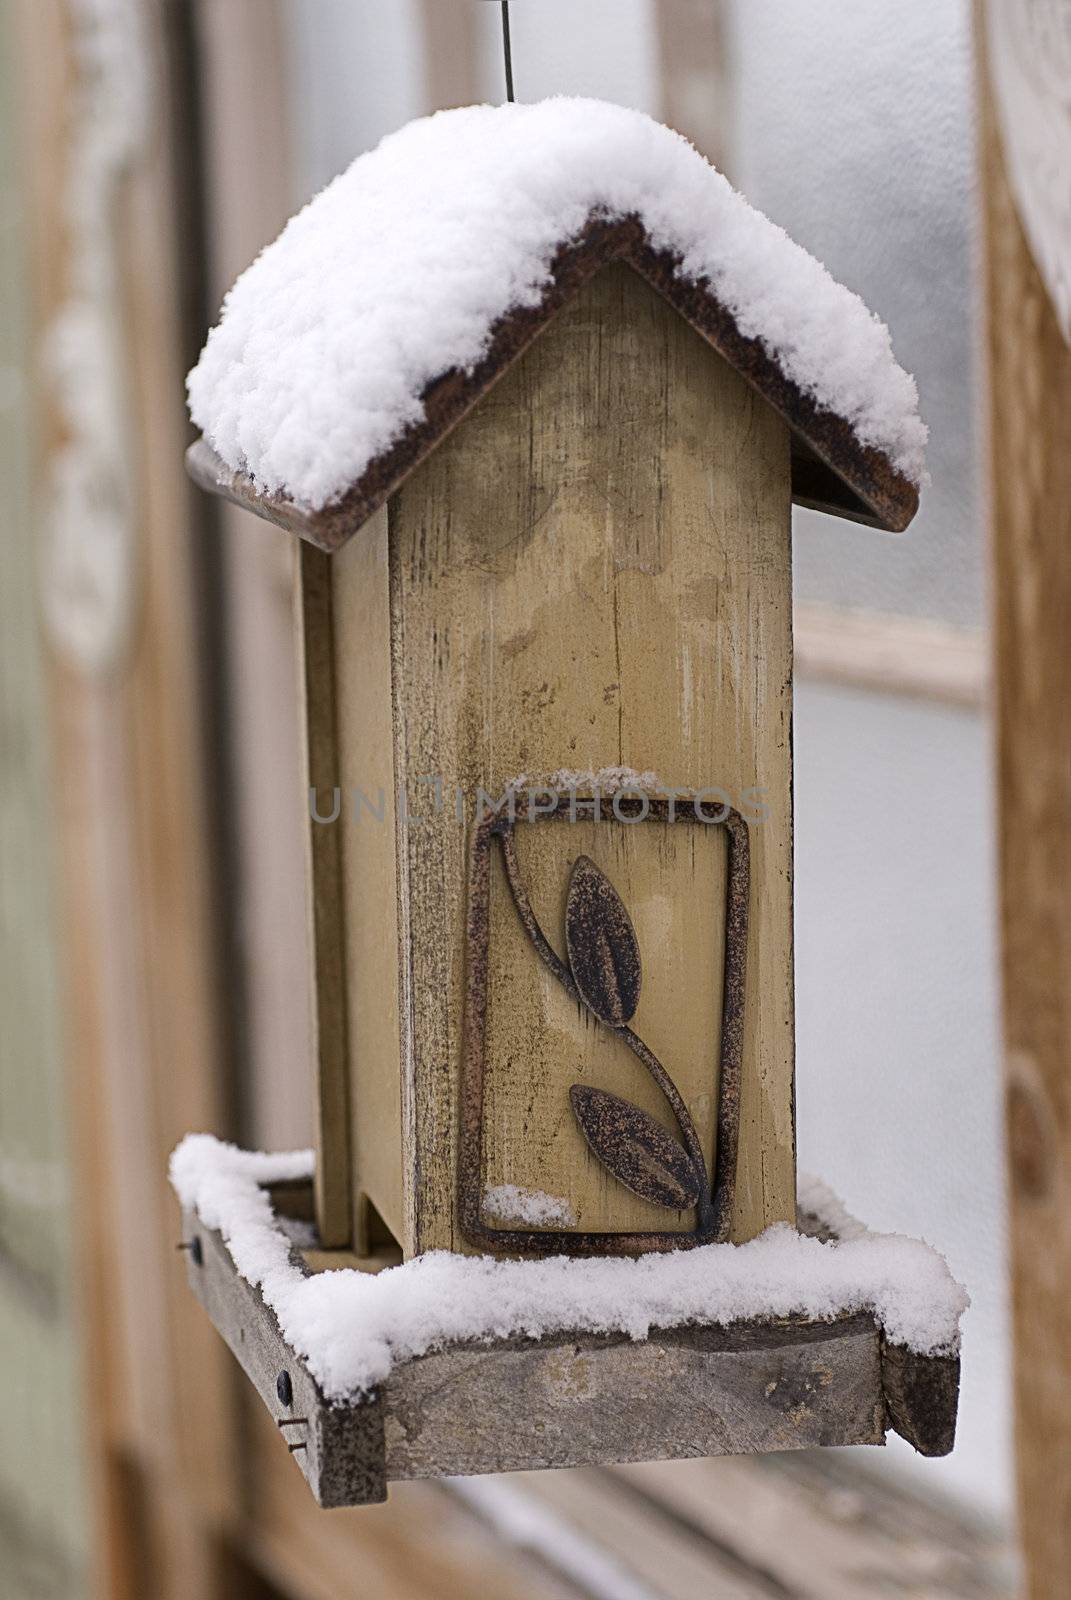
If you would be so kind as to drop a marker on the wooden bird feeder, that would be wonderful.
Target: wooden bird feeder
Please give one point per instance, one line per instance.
(546, 667)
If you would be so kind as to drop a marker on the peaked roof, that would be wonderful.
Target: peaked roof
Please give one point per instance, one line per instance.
(401, 294)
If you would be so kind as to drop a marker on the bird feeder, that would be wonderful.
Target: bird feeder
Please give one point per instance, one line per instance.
(536, 391)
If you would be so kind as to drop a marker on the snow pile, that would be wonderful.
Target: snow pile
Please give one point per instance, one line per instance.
(508, 1202)
(352, 1327)
(816, 1199)
(398, 271)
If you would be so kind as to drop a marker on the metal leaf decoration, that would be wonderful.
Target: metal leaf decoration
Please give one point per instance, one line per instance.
(635, 1148)
(600, 941)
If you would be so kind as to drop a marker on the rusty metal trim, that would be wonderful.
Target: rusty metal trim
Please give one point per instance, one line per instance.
(713, 1220)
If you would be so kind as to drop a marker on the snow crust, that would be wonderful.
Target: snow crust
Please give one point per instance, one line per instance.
(400, 268)
(352, 1327)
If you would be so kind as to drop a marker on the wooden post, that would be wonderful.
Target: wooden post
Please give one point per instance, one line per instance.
(450, 36)
(696, 88)
(248, 162)
(129, 799)
(1030, 397)
(42, 1484)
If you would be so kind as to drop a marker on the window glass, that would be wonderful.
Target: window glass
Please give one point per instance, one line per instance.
(852, 127)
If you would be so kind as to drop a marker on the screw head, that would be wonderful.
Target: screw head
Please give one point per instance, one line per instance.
(284, 1389)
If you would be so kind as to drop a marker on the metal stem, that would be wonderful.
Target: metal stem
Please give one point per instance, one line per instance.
(644, 1053)
(507, 53)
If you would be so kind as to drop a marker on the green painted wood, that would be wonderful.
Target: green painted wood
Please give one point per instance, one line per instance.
(42, 1524)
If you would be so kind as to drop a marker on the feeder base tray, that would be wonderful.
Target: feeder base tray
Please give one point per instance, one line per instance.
(570, 1400)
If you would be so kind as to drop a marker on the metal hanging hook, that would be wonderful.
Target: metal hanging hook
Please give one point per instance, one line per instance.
(507, 54)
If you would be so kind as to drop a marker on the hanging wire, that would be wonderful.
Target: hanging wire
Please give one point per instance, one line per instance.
(507, 54)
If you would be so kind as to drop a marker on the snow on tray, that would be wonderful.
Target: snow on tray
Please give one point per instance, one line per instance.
(352, 1327)
(398, 271)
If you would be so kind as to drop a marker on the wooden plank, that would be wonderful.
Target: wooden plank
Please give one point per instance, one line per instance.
(340, 1452)
(891, 654)
(250, 190)
(325, 923)
(42, 1487)
(368, 829)
(1030, 398)
(921, 1397)
(421, 1542)
(573, 1399)
(566, 1399)
(696, 88)
(450, 36)
(129, 790)
(573, 585)
(622, 1544)
(822, 1527)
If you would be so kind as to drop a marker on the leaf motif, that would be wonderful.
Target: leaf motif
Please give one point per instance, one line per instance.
(635, 1148)
(600, 941)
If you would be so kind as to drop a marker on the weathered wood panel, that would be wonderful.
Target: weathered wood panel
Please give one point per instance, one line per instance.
(594, 570)
(340, 1452)
(575, 1399)
(563, 1400)
(43, 1545)
(129, 791)
(325, 920)
(1030, 398)
(814, 1525)
(370, 850)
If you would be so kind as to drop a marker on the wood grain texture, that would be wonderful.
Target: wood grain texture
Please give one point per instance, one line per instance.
(563, 1400)
(325, 919)
(801, 1527)
(43, 1545)
(594, 570)
(805, 1526)
(340, 1453)
(572, 1399)
(135, 900)
(1030, 399)
(370, 847)
(921, 1397)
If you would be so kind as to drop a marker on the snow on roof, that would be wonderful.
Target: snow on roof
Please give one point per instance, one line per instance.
(352, 1327)
(399, 271)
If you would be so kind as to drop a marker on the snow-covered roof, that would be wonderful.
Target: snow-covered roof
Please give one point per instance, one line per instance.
(352, 1327)
(395, 298)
